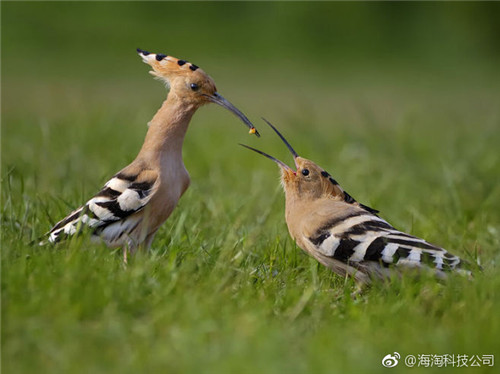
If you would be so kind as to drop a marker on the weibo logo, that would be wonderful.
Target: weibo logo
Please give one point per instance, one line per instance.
(389, 361)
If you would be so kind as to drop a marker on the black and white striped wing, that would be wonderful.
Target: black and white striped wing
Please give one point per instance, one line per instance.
(120, 197)
(361, 239)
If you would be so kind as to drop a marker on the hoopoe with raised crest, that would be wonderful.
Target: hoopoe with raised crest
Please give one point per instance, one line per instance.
(135, 202)
(344, 235)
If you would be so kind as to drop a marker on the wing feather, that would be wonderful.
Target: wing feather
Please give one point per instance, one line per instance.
(122, 196)
(363, 240)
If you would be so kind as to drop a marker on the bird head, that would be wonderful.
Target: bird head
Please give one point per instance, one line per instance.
(189, 83)
(308, 181)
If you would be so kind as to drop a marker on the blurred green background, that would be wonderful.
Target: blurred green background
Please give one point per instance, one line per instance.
(328, 70)
(399, 101)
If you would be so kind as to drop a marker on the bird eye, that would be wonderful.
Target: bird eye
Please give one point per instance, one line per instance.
(305, 172)
(195, 87)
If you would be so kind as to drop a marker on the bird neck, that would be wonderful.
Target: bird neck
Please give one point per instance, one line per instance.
(294, 207)
(167, 129)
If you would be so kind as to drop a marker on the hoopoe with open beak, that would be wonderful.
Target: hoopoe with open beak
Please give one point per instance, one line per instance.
(344, 235)
(133, 204)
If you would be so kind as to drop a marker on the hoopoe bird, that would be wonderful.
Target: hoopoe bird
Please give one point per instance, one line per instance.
(344, 235)
(136, 201)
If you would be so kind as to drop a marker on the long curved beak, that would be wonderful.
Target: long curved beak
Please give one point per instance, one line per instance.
(292, 151)
(280, 163)
(218, 99)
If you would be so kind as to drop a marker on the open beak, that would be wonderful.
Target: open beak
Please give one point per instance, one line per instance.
(292, 151)
(218, 99)
(282, 165)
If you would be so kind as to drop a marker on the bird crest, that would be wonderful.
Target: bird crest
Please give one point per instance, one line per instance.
(189, 83)
(173, 71)
(165, 66)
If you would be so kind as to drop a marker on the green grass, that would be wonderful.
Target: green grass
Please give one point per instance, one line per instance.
(224, 289)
